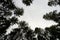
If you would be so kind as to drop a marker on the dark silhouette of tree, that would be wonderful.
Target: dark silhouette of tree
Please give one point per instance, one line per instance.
(20, 33)
(40, 34)
(53, 16)
(7, 9)
(18, 12)
(54, 2)
(53, 32)
(24, 32)
(27, 2)
(4, 24)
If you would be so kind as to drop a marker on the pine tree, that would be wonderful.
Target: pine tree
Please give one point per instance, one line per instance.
(54, 2)
(54, 30)
(27, 2)
(7, 9)
(24, 32)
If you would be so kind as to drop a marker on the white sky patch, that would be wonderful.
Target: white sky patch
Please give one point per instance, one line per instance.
(33, 14)
(11, 28)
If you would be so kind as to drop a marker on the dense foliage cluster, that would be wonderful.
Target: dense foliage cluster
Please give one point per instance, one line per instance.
(23, 32)
(53, 16)
(27, 2)
(7, 9)
(54, 2)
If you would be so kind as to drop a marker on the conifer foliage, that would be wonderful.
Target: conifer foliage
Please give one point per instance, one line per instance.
(27, 2)
(54, 2)
(24, 32)
(7, 8)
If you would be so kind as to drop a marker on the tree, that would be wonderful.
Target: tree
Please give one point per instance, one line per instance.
(24, 32)
(54, 2)
(54, 30)
(27, 2)
(6, 18)
(7, 9)
(53, 16)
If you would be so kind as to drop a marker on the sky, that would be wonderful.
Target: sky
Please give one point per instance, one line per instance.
(33, 14)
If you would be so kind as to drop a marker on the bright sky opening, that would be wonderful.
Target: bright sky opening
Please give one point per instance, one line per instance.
(33, 14)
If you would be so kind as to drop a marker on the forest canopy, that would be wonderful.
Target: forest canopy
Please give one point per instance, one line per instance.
(24, 32)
